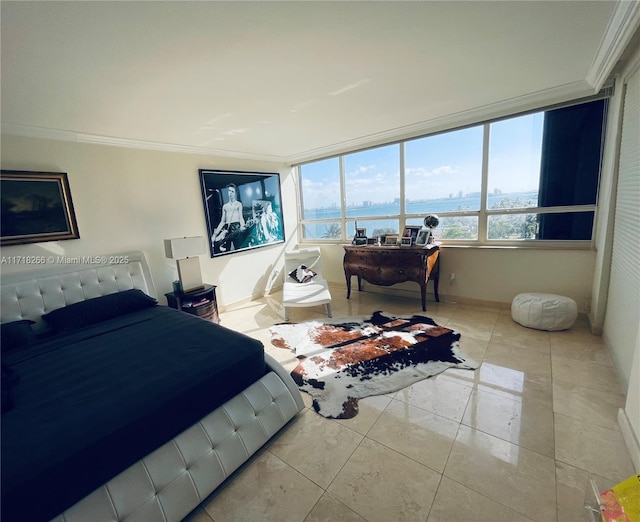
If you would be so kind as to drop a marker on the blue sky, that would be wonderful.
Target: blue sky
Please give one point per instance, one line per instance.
(436, 167)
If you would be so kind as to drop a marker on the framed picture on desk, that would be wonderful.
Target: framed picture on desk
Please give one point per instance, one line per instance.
(361, 236)
(423, 237)
(411, 231)
(391, 239)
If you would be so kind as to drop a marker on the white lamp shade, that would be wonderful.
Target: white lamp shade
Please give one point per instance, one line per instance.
(181, 247)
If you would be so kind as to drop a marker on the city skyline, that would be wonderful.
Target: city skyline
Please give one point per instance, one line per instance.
(460, 195)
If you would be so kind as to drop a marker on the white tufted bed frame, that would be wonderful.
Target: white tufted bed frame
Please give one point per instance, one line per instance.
(173, 480)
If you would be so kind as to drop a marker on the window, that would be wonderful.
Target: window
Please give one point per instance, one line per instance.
(570, 168)
(320, 200)
(372, 182)
(530, 177)
(443, 175)
(515, 146)
(513, 178)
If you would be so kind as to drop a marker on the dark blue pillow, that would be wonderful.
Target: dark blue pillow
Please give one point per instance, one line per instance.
(16, 334)
(98, 309)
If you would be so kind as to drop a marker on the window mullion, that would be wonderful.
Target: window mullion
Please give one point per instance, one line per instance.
(403, 197)
(482, 218)
(300, 200)
(343, 198)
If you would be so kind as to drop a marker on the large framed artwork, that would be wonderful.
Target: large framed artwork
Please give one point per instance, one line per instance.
(243, 210)
(36, 207)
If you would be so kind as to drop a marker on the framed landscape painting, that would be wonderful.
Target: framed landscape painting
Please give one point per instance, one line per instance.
(36, 207)
(243, 210)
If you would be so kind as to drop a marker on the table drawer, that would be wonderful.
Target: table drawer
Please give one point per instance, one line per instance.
(398, 274)
(205, 310)
(365, 271)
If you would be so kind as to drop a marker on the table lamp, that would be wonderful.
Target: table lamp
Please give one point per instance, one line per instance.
(185, 250)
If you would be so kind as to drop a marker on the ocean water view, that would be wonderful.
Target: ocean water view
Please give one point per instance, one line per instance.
(423, 207)
(466, 227)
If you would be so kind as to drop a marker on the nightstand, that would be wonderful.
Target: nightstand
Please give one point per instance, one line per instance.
(201, 303)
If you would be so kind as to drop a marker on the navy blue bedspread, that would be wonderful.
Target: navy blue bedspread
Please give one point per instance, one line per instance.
(91, 403)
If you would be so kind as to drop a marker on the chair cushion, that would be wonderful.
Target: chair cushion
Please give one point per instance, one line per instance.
(544, 311)
(314, 292)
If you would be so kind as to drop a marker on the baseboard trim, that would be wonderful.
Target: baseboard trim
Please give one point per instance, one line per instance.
(629, 438)
(398, 291)
(459, 300)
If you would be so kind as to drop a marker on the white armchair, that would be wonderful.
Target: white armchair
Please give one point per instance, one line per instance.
(313, 292)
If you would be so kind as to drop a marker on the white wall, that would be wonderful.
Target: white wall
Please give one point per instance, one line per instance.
(620, 261)
(129, 199)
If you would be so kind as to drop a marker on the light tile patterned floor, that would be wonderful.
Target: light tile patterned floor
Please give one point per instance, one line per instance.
(516, 440)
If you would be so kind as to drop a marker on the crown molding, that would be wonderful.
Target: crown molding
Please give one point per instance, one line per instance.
(29, 131)
(473, 116)
(622, 26)
(527, 102)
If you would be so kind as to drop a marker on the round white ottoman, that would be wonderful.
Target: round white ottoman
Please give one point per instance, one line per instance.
(544, 311)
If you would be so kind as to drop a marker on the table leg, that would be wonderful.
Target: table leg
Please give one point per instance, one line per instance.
(435, 288)
(423, 294)
(348, 286)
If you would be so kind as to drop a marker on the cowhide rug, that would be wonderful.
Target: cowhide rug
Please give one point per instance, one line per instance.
(346, 360)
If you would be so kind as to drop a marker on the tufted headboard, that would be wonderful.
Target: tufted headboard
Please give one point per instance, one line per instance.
(33, 293)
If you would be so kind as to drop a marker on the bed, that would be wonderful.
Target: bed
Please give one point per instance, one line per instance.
(115, 407)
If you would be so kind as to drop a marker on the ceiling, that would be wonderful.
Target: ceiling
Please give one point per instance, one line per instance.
(289, 81)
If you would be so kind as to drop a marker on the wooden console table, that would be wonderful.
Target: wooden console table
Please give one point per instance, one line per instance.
(388, 265)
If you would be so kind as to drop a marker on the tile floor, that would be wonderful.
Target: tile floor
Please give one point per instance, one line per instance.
(515, 440)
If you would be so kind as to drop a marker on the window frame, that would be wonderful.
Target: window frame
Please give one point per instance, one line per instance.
(482, 214)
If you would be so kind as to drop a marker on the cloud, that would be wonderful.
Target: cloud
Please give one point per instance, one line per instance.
(317, 194)
(421, 172)
(361, 169)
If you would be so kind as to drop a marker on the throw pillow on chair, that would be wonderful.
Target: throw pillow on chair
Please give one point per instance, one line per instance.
(302, 274)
